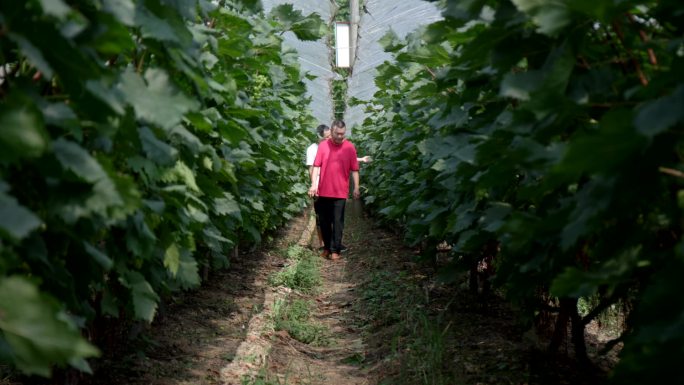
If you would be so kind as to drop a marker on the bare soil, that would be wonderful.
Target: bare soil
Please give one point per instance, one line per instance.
(197, 335)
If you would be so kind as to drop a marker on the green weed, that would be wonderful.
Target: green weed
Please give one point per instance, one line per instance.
(295, 318)
(610, 321)
(295, 252)
(263, 378)
(419, 342)
(387, 298)
(355, 359)
(425, 357)
(302, 273)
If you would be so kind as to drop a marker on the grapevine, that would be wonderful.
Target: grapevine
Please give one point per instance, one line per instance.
(544, 139)
(133, 159)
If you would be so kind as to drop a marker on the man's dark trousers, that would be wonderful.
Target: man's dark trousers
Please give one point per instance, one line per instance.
(332, 222)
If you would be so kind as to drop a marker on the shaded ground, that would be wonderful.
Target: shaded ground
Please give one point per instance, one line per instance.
(387, 320)
(421, 331)
(393, 323)
(198, 334)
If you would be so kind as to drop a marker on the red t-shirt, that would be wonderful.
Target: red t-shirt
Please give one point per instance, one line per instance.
(336, 162)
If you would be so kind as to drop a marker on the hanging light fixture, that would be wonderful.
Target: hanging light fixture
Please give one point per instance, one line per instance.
(342, 45)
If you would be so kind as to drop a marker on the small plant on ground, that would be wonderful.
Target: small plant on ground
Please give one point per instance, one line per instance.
(387, 298)
(610, 321)
(356, 359)
(302, 272)
(295, 252)
(424, 359)
(295, 318)
(391, 299)
(264, 377)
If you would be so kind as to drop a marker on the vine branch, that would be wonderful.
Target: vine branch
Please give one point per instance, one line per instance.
(671, 171)
(635, 62)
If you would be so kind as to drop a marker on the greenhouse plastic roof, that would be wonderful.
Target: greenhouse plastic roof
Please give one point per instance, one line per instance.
(379, 17)
(314, 56)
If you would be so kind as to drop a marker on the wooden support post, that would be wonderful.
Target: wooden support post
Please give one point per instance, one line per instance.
(354, 8)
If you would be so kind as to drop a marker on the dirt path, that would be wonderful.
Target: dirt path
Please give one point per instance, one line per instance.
(379, 318)
(299, 363)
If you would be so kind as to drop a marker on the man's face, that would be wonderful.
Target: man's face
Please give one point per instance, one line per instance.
(326, 134)
(338, 134)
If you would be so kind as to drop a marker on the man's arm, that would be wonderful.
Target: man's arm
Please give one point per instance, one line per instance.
(355, 178)
(313, 190)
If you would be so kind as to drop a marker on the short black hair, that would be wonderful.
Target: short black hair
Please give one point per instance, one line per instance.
(321, 129)
(338, 124)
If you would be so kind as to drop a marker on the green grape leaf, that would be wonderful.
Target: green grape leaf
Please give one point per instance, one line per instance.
(109, 304)
(123, 10)
(172, 259)
(495, 216)
(463, 10)
(253, 6)
(605, 149)
(227, 206)
(38, 334)
(162, 153)
(145, 300)
(107, 193)
(75, 158)
(165, 29)
(310, 27)
(390, 42)
(23, 132)
(33, 54)
(455, 118)
(550, 16)
(110, 97)
(55, 8)
(591, 201)
(180, 172)
(16, 220)
(155, 100)
(215, 240)
(574, 283)
(658, 115)
(100, 257)
(188, 272)
(520, 85)
(187, 8)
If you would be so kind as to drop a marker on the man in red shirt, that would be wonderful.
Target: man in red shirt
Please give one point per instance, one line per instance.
(335, 159)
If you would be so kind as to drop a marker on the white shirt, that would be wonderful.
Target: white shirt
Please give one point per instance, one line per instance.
(311, 154)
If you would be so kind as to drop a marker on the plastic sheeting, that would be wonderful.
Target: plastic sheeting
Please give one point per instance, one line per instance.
(314, 56)
(377, 18)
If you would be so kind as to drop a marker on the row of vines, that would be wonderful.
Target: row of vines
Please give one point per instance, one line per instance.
(140, 143)
(546, 138)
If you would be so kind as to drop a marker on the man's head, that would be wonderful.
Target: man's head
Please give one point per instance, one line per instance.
(338, 131)
(323, 131)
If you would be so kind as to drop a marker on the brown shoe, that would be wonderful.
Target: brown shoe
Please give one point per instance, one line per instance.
(325, 253)
(334, 256)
